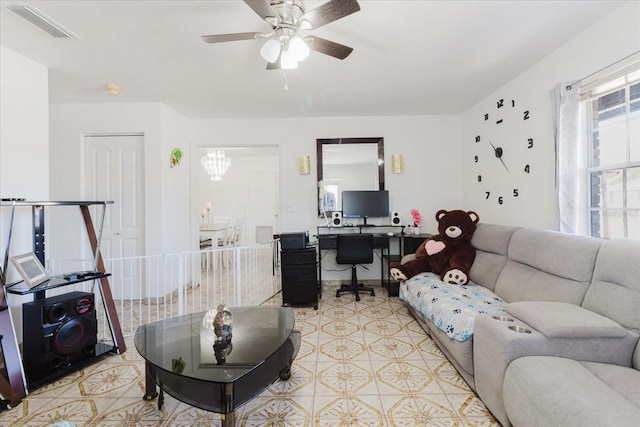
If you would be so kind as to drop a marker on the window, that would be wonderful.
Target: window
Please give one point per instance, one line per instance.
(612, 109)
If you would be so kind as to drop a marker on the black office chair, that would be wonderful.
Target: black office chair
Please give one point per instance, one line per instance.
(354, 249)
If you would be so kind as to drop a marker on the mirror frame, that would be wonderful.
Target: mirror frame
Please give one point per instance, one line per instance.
(328, 141)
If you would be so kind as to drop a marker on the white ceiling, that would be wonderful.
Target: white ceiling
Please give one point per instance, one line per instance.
(410, 57)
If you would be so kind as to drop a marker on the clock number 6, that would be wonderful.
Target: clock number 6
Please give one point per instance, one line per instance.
(500, 200)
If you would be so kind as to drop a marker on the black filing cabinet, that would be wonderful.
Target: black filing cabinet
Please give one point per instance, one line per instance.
(299, 277)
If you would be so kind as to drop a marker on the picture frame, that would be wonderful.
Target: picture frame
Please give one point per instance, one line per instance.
(30, 268)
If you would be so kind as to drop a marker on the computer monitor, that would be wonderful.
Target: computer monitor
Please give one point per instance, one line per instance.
(365, 204)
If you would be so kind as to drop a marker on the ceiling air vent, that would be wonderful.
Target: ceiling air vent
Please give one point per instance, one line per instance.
(42, 21)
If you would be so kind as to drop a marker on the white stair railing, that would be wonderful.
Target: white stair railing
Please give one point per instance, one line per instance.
(154, 287)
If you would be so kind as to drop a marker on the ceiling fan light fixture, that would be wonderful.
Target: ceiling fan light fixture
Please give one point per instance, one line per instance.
(298, 48)
(305, 25)
(270, 50)
(288, 60)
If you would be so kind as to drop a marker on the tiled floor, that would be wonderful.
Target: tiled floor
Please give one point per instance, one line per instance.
(365, 363)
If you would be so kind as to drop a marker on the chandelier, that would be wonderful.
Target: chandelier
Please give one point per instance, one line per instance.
(216, 164)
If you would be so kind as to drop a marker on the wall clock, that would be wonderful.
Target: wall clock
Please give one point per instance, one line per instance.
(502, 152)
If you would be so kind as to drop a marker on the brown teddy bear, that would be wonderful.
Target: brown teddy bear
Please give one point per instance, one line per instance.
(448, 253)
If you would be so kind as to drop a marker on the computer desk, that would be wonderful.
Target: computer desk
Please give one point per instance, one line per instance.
(328, 241)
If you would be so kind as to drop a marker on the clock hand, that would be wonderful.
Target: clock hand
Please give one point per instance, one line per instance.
(498, 152)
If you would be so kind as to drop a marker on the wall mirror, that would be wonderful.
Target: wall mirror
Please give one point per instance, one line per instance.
(347, 164)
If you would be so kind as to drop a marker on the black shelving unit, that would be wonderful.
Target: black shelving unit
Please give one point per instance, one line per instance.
(15, 386)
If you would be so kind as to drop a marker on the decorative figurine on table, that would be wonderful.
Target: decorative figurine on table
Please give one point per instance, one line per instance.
(222, 328)
(222, 323)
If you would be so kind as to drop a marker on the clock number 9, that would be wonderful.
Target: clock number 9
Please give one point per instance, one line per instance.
(527, 169)
(475, 159)
(530, 143)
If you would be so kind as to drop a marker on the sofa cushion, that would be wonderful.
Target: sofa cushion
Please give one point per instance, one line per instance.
(622, 379)
(451, 308)
(553, 391)
(547, 266)
(563, 320)
(491, 243)
(615, 290)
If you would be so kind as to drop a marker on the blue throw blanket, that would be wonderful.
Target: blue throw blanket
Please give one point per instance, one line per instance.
(452, 308)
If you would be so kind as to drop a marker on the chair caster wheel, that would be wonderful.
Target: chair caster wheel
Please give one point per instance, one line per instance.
(337, 294)
(373, 294)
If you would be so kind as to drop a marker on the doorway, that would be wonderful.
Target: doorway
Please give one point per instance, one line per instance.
(248, 192)
(114, 170)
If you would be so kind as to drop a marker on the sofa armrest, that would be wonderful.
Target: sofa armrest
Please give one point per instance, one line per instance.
(496, 344)
(564, 320)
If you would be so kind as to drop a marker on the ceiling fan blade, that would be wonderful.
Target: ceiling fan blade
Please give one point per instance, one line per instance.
(328, 47)
(328, 12)
(264, 10)
(221, 38)
(274, 65)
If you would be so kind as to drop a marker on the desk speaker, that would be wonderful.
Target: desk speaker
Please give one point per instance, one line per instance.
(395, 218)
(336, 219)
(58, 332)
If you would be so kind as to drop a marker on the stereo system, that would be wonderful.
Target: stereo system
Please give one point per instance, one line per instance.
(336, 219)
(58, 332)
(395, 218)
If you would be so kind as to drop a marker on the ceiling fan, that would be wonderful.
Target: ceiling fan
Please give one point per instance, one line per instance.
(285, 47)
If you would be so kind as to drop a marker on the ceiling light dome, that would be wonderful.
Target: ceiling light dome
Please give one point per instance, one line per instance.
(298, 48)
(271, 50)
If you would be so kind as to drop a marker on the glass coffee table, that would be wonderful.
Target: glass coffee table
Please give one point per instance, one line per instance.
(183, 357)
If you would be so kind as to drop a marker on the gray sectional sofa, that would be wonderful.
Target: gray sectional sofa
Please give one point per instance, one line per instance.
(565, 350)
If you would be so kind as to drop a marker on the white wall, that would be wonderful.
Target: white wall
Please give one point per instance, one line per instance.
(424, 141)
(167, 190)
(24, 154)
(428, 184)
(24, 140)
(613, 38)
(438, 150)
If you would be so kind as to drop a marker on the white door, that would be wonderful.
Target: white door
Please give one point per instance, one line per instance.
(264, 203)
(114, 170)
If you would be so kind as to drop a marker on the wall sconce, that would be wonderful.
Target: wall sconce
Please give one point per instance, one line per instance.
(397, 163)
(304, 165)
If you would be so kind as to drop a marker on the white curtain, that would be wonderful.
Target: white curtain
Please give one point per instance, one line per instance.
(570, 159)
